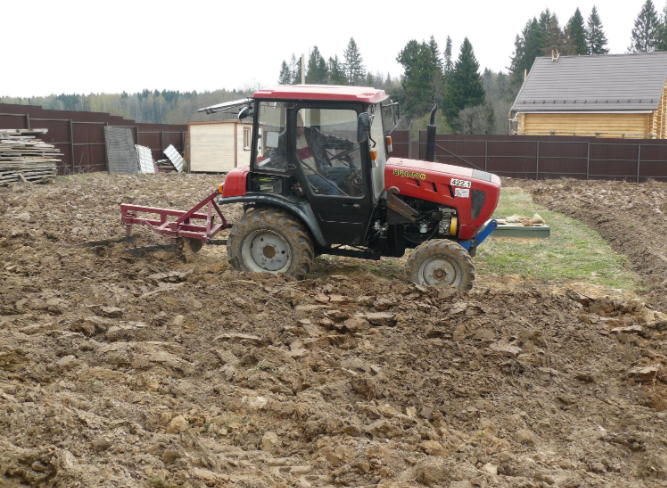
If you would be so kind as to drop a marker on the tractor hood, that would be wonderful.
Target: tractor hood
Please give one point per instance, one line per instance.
(417, 166)
(473, 193)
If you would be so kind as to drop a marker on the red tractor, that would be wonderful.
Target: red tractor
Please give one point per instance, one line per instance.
(321, 181)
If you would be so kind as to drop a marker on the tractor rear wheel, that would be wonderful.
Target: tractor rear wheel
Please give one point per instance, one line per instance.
(273, 241)
(441, 263)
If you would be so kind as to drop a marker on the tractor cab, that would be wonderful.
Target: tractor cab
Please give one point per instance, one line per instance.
(328, 152)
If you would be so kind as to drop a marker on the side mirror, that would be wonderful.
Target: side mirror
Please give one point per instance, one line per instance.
(364, 127)
(245, 112)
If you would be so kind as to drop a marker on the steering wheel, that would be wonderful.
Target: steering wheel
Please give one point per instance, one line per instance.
(343, 154)
(353, 183)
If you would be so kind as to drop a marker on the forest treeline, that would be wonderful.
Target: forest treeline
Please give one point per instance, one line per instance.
(470, 100)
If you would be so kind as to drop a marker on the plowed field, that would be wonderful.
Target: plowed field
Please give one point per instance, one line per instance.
(118, 371)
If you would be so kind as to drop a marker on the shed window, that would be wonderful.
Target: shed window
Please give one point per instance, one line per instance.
(246, 138)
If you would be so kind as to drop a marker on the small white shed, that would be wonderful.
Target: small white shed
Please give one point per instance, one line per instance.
(219, 146)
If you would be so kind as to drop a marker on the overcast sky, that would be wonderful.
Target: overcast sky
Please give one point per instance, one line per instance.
(69, 46)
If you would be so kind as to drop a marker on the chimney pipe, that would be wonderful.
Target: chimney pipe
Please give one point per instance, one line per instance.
(430, 136)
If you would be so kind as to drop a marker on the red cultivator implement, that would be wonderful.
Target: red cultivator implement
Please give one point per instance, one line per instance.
(180, 230)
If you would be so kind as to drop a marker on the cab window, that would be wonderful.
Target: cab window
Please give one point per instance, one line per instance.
(328, 152)
(271, 152)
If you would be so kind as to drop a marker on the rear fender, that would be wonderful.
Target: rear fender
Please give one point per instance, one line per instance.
(301, 210)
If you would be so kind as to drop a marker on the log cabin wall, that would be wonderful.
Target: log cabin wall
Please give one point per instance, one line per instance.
(659, 118)
(614, 125)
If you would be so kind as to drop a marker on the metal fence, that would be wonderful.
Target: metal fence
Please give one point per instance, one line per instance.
(80, 135)
(548, 157)
(80, 138)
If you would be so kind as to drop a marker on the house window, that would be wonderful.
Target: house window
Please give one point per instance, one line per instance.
(246, 138)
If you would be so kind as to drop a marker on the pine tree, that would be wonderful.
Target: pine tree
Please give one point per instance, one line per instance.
(295, 69)
(527, 46)
(420, 69)
(435, 52)
(465, 88)
(336, 72)
(554, 38)
(285, 76)
(316, 71)
(595, 37)
(647, 27)
(449, 65)
(354, 64)
(576, 34)
(661, 37)
(435, 61)
(544, 20)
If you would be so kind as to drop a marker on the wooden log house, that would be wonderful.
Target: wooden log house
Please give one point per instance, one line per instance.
(613, 95)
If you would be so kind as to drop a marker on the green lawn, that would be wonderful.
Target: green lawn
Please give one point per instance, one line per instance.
(573, 252)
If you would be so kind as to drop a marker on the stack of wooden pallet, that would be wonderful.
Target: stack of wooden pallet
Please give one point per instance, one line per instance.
(25, 157)
(165, 166)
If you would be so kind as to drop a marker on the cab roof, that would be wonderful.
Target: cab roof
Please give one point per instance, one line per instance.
(323, 92)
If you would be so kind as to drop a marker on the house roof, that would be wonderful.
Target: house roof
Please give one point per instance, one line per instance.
(602, 83)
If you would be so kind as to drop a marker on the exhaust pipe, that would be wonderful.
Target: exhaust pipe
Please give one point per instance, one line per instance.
(430, 136)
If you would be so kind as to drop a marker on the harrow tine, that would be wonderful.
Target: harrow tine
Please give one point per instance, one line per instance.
(142, 251)
(216, 242)
(108, 242)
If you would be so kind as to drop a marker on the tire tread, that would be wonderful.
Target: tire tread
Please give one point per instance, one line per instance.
(303, 252)
(452, 250)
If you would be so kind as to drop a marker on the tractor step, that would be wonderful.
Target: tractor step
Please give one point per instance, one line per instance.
(352, 253)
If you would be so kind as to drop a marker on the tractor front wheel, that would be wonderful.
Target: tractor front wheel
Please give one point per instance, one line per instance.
(273, 241)
(441, 263)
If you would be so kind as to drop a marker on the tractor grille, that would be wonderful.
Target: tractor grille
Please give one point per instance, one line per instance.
(477, 203)
(481, 175)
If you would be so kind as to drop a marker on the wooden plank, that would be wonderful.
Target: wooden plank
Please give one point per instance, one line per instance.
(23, 157)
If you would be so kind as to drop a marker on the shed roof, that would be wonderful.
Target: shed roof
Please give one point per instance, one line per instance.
(602, 83)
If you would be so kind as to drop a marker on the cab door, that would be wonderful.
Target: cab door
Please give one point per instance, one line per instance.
(333, 170)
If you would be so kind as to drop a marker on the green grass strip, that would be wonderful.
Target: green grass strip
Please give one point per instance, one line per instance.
(573, 252)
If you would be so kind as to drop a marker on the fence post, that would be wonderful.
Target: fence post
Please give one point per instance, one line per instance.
(588, 162)
(106, 154)
(161, 142)
(639, 160)
(537, 162)
(27, 121)
(71, 141)
(486, 154)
